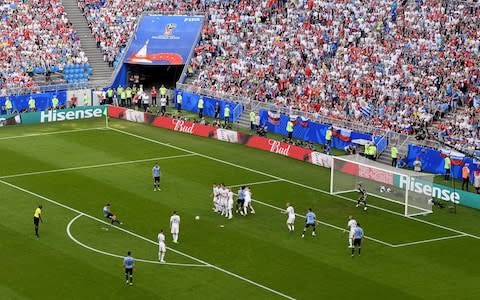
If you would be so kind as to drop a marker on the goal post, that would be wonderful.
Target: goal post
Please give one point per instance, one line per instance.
(410, 189)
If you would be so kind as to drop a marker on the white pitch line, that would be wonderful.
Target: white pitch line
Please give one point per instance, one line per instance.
(429, 241)
(50, 133)
(97, 166)
(323, 223)
(150, 241)
(70, 235)
(254, 183)
(288, 181)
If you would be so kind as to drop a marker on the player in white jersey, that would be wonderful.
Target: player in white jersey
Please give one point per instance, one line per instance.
(162, 248)
(351, 225)
(175, 226)
(229, 204)
(223, 199)
(216, 206)
(290, 212)
(247, 204)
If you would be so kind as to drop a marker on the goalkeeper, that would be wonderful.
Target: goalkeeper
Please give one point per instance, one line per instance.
(362, 199)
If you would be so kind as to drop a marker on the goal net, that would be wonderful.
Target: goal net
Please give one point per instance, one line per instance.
(404, 187)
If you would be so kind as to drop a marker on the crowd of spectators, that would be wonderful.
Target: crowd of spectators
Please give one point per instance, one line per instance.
(400, 66)
(397, 65)
(34, 35)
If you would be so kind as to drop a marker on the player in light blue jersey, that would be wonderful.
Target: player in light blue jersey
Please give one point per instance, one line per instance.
(156, 173)
(129, 264)
(357, 239)
(311, 221)
(109, 215)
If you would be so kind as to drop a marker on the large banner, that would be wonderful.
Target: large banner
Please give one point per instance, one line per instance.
(222, 134)
(308, 130)
(42, 100)
(190, 103)
(164, 40)
(49, 116)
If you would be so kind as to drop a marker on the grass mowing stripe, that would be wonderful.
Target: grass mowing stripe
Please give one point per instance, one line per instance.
(287, 180)
(149, 240)
(97, 166)
(429, 241)
(70, 235)
(50, 133)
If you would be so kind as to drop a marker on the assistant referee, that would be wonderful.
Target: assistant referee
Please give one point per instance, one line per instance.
(37, 218)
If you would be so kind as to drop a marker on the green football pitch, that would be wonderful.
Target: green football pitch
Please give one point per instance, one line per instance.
(74, 168)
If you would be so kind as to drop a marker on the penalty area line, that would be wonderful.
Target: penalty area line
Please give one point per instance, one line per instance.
(70, 235)
(149, 240)
(430, 240)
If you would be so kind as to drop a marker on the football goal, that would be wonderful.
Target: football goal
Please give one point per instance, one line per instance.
(407, 188)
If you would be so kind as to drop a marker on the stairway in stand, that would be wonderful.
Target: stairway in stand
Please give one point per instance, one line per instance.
(102, 73)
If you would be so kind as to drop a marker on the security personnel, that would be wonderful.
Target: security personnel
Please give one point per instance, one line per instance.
(394, 156)
(110, 95)
(123, 97)
(200, 107)
(373, 151)
(447, 165)
(226, 114)
(290, 129)
(367, 150)
(55, 102)
(31, 104)
(128, 96)
(252, 120)
(86, 100)
(179, 101)
(8, 105)
(328, 136)
(119, 92)
(163, 92)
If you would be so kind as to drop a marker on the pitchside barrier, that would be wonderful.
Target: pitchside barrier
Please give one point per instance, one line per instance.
(320, 159)
(49, 116)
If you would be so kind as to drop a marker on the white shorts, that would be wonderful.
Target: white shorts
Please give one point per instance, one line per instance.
(162, 247)
(175, 229)
(351, 234)
(291, 220)
(246, 204)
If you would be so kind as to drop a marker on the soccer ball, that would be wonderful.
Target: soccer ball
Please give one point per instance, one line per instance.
(197, 218)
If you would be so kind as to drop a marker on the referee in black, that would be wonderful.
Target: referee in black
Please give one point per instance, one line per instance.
(37, 218)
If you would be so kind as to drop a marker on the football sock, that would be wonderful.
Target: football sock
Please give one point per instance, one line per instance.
(359, 250)
(353, 251)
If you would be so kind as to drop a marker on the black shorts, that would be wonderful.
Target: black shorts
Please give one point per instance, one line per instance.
(240, 202)
(357, 242)
(129, 271)
(109, 215)
(308, 225)
(36, 221)
(156, 179)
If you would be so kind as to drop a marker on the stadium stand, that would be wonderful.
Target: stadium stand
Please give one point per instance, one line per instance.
(36, 38)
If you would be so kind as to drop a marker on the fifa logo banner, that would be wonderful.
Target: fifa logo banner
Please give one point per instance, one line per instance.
(164, 40)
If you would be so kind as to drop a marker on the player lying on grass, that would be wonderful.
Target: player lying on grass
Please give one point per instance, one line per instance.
(109, 215)
(362, 199)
